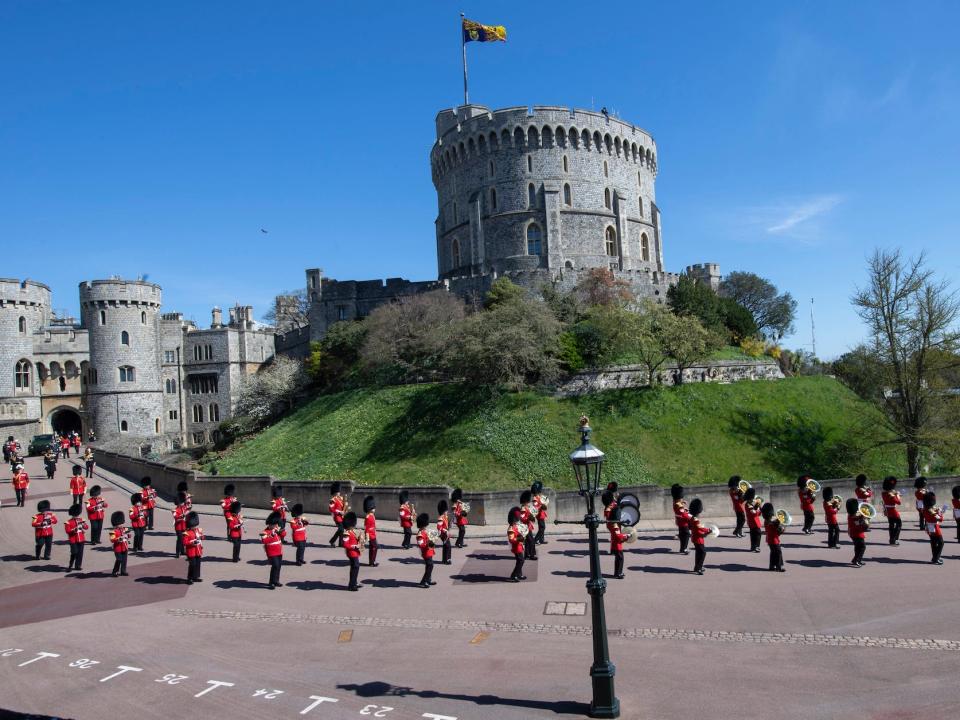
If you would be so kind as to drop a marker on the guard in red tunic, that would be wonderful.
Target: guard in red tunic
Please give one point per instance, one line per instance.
(807, 499)
(193, 544)
(149, 496)
(182, 488)
(933, 516)
(235, 528)
(119, 539)
(617, 538)
(698, 533)
(20, 482)
(540, 502)
(96, 510)
(78, 486)
(337, 507)
(43, 523)
(831, 512)
(460, 515)
(736, 498)
(681, 516)
(353, 546)
(228, 499)
(515, 536)
(75, 527)
(956, 508)
(529, 516)
(609, 501)
(180, 511)
(406, 519)
(138, 521)
(773, 529)
(863, 491)
(443, 528)
(370, 529)
(65, 446)
(279, 505)
(75, 441)
(751, 508)
(919, 490)
(272, 538)
(426, 550)
(891, 508)
(857, 527)
(298, 531)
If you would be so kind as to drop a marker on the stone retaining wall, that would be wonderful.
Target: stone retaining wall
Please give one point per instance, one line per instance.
(635, 376)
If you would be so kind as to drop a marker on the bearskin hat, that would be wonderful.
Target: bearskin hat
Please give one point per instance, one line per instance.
(181, 498)
(767, 511)
(75, 510)
(369, 504)
(537, 487)
(422, 521)
(77, 470)
(750, 494)
(136, 499)
(145, 482)
(117, 518)
(852, 505)
(95, 491)
(861, 480)
(43, 506)
(696, 506)
(193, 520)
(235, 507)
(442, 507)
(456, 495)
(296, 510)
(276, 491)
(889, 483)
(229, 489)
(349, 520)
(827, 493)
(404, 496)
(334, 487)
(802, 481)
(273, 518)
(525, 497)
(733, 482)
(929, 499)
(606, 498)
(956, 492)
(920, 482)
(676, 491)
(182, 486)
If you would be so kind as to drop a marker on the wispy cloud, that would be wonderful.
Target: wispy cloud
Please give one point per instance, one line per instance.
(795, 214)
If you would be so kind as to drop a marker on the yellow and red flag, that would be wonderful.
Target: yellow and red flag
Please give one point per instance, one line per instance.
(475, 32)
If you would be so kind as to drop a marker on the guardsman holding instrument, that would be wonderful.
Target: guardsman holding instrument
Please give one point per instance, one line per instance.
(337, 506)
(43, 523)
(681, 516)
(956, 508)
(149, 503)
(460, 509)
(426, 545)
(180, 511)
(279, 506)
(138, 521)
(751, 507)
(773, 529)
(831, 512)
(891, 508)
(182, 488)
(78, 486)
(617, 538)
(808, 497)
(443, 528)
(272, 538)
(96, 510)
(919, 490)
(863, 491)
(370, 529)
(75, 527)
(193, 544)
(119, 540)
(228, 499)
(933, 516)
(235, 528)
(353, 546)
(406, 519)
(736, 499)
(857, 527)
(529, 516)
(540, 503)
(298, 530)
(698, 533)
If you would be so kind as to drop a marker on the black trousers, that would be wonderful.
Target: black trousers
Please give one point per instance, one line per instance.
(51, 469)
(684, 533)
(699, 555)
(21, 497)
(275, 562)
(618, 562)
(447, 550)
(461, 533)
(337, 538)
(530, 546)
(119, 563)
(755, 535)
(741, 520)
(149, 519)
(958, 530)
(808, 518)
(45, 544)
(859, 548)
(138, 538)
(923, 521)
(407, 535)
(76, 556)
(894, 525)
(96, 528)
(89, 469)
(518, 568)
(541, 531)
(833, 536)
(180, 549)
(372, 549)
(236, 548)
(936, 545)
(65, 452)
(193, 568)
(776, 557)
(354, 572)
(301, 546)
(427, 571)
(78, 500)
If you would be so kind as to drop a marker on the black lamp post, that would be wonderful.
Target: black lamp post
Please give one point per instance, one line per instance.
(587, 462)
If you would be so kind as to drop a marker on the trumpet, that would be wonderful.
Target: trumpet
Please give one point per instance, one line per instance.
(743, 486)
(813, 486)
(784, 517)
(866, 510)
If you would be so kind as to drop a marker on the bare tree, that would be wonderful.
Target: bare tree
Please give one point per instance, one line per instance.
(290, 311)
(911, 316)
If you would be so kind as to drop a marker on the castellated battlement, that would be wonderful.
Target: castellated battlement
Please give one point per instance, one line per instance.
(119, 292)
(23, 292)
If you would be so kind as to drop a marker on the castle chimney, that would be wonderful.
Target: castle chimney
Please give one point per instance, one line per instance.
(233, 316)
(217, 318)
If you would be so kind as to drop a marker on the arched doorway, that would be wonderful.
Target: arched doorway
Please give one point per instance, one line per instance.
(65, 420)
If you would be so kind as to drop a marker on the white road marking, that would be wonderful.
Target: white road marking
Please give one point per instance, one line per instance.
(381, 712)
(10, 651)
(317, 699)
(214, 684)
(172, 679)
(434, 716)
(267, 694)
(122, 669)
(40, 656)
(84, 663)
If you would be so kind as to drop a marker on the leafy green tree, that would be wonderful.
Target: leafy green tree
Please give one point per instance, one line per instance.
(334, 358)
(773, 313)
(690, 297)
(503, 290)
(648, 343)
(685, 341)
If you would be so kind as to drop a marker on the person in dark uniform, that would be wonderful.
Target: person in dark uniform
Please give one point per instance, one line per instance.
(891, 508)
(459, 515)
(298, 530)
(235, 528)
(75, 528)
(96, 510)
(353, 546)
(370, 529)
(337, 507)
(515, 537)
(119, 539)
(617, 538)
(272, 538)
(138, 521)
(919, 490)
(540, 505)
(529, 515)
(228, 499)
(193, 544)
(406, 517)
(426, 550)
(773, 529)
(50, 464)
(956, 508)
(751, 507)
(443, 527)
(933, 516)
(681, 516)
(807, 499)
(831, 510)
(736, 499)
(43, 523)
(698, 533)
(149, 496)
(857, 527)
(180, 511)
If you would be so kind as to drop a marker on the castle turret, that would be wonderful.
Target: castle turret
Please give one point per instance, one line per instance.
(24, 310)
(124, 388)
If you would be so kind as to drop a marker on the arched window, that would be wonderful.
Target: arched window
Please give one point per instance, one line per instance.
(63, 383)
(156, 426)
(103, 317)
(640, 205)
(606, 198)
(171, 386)
(125, 338)
(565, 166)
(70, 369)
(198, 413)
(123, 426)
(493, 198)
(611, 242)
(21, 376)
(214, 412)
(606, 170)
(197, 352)
(644, 248)
(22, 325)
(531, 195)
(126, 373)
(529, 163)
(455, 253)
(143, 320)
(534, 239)
(567, 195)
(639, 180)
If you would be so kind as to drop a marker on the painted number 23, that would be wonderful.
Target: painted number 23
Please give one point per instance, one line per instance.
(372, 710)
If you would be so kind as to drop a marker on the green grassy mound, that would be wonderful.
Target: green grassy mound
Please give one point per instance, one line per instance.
(453, 434)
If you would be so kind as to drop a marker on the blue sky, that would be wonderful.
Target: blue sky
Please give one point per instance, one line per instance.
(794, 137)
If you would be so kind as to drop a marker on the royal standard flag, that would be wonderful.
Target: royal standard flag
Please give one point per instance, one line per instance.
(474, 31)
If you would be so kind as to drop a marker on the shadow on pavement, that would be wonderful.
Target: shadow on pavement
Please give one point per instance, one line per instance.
(390, 583)
(17, 558)
(244, 584)
(658, 570)
(818, 563)
(571, 573)
(314, 585)
(732, 567)
(479, 578)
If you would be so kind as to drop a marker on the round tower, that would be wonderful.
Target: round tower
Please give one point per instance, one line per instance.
(24, 310)
(543, 189)
(124, 386)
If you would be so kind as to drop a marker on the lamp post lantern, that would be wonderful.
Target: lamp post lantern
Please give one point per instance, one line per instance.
(587, 462)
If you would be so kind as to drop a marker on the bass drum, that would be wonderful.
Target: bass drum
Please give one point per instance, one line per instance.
(629, 499)
(629, 515)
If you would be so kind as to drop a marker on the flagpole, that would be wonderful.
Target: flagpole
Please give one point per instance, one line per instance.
(463, 48)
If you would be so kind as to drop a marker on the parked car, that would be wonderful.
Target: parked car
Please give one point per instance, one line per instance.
(39, 444)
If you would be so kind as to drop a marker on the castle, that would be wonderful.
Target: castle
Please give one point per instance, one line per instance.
(131, 374)
(539, 195)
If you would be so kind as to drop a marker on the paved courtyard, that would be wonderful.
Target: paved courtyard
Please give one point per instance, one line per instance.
(822, 640)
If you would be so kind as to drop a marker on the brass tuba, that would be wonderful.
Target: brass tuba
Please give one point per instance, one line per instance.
(867, 510)
(784, 517)
(434, 537)
(744, 486)
(813, 486)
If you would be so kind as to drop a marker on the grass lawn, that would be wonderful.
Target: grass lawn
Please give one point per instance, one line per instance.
(453, 434)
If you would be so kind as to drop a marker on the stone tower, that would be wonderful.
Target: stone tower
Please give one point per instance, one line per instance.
(543, 190)
(24, 310)
(124, 389)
